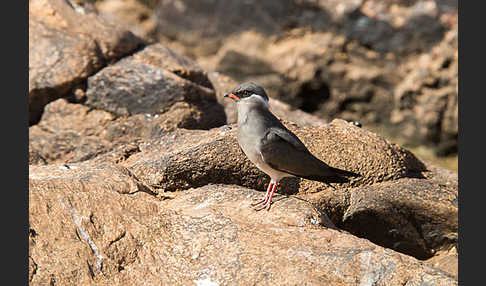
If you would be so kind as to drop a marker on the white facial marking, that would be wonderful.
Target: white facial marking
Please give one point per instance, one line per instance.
(261, 98)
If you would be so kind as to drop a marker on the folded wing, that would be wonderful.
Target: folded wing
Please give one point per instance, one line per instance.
(282, 150)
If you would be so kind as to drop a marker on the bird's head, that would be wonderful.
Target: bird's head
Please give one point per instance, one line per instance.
(248, 92)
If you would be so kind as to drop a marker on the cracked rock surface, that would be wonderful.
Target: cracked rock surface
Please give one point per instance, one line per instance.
(117, 233)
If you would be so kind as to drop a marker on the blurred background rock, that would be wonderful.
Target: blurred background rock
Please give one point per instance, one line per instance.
(391, 65)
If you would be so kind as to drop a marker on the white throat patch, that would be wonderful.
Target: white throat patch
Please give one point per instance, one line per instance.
(261, 98)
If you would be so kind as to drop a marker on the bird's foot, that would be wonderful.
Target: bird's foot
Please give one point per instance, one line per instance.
(267, 200)
(262, 201)
(266, 205)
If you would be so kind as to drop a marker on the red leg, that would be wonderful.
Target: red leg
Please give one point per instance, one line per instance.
(268, 201)
(265, 199)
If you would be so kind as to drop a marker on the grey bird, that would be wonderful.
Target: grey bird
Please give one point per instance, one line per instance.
(273, 148)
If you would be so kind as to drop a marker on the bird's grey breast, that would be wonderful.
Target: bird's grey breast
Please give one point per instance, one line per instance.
(251, 130)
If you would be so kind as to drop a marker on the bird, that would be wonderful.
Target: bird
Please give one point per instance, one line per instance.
(273, 148)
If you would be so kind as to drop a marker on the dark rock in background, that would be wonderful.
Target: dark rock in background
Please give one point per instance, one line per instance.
(331, 58)
(426, 102)
(65, 47)
(150, 82)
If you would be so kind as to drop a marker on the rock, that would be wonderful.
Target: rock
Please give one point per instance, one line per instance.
(140, 97)
(214, 20)
(160, 56)
(35, 158)
(426, 101)
(386, 27)
(446, 261)
(406, 205)
(234, 201)
(183, 159)
(99, 224)
(65, 47)
(63, 237)
(69, 132)
(151, 82)
(413, 216)
(135, 15)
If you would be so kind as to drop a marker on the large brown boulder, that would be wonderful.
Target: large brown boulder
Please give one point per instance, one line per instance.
(67, 45)
(215, 155)
(405, 205)
(99, 224)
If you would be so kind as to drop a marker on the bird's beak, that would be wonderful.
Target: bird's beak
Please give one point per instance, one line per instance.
(232, 96)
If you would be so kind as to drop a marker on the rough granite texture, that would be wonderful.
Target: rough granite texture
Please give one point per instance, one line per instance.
(98, 224)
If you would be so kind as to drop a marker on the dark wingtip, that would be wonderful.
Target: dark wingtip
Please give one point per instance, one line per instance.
(327, 179)
(344, 173)
(341, 176)
(337, 179)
